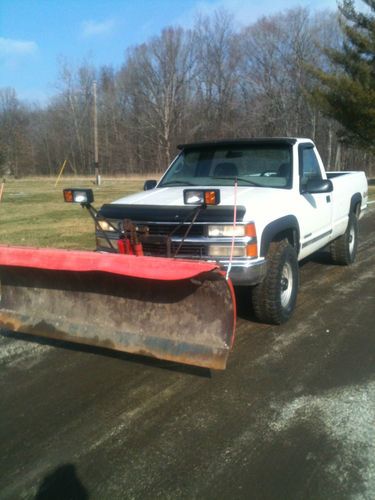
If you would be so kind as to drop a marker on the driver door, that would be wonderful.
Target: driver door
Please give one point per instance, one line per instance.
(315, 209)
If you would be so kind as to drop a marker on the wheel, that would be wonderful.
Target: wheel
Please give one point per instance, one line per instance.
(343, 249)
(275, 297)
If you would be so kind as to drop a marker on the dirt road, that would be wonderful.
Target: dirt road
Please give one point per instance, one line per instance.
(292, 417)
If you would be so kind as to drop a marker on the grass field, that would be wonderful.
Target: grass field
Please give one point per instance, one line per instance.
(33, 213)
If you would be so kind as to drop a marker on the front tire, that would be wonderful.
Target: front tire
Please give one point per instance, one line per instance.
(274, 299)
(343, 249)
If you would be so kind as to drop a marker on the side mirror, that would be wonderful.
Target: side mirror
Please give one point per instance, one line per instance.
(150, 184)
(319, 186)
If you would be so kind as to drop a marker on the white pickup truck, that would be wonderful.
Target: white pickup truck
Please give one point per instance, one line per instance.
(256, 206)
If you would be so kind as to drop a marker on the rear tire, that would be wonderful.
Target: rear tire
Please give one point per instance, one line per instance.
(274, 299)
(343, 249)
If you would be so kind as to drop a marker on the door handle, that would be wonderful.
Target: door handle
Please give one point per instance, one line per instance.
(328, 198)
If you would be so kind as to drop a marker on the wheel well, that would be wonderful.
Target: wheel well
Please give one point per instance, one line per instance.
(357, 208)
(281, 229)
(355, 204)
(288, 234)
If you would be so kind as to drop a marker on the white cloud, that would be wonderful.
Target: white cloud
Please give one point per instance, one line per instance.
(93, 28)
(11, 47)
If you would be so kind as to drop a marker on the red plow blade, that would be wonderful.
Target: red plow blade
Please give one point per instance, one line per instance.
(169, 309)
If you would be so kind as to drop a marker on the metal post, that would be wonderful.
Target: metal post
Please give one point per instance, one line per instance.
(96, 151)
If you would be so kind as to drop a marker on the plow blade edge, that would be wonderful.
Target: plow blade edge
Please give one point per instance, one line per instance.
(168, 309)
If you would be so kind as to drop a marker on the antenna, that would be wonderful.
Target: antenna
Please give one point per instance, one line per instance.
(96, 150)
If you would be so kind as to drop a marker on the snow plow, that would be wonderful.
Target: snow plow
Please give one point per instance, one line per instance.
(171, 309)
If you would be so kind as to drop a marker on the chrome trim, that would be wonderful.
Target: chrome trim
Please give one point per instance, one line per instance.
(244, 270)
(203, 240)
(247, 273)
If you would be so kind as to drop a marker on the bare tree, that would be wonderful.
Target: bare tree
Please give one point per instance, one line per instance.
(72, 114)
(156, 78)
(15, 156)
(217, 77)
(212, 81)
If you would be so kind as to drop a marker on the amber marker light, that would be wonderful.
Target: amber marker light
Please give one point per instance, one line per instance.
(210, 197)
(68, 195)
(252, 250)
(250, 230)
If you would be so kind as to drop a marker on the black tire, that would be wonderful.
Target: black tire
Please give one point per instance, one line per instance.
(274, 299)
(343, 249)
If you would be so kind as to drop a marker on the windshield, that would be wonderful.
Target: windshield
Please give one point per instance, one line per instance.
(252, 165)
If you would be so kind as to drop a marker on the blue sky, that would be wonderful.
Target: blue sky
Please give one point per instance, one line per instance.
(36, 34)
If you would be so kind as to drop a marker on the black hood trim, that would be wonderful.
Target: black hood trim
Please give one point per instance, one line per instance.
(157, 213)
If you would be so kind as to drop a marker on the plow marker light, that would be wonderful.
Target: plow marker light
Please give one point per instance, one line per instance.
(84, 196)
(201, 196)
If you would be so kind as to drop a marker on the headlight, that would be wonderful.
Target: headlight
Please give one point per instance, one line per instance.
(225, 251)
(222, 230)
(230, 230)
(104, 226)
(250, 250)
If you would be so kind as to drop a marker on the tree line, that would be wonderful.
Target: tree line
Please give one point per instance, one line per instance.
(211, 81)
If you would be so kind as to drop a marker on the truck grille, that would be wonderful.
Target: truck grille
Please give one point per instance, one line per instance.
(160, 250)
(166, 229)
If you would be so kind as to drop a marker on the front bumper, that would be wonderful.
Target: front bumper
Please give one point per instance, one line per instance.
(245, 272)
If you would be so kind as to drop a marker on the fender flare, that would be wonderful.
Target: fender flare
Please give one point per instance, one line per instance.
(356, 198)
(288, 222)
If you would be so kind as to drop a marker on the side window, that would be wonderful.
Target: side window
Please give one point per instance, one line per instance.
(309, 166)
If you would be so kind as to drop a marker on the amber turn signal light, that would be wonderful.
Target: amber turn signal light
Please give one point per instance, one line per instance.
(68, 195)
(250, 230)
(252, 250)
(210, 197)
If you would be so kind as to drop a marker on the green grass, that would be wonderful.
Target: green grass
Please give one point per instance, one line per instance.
(33, 212)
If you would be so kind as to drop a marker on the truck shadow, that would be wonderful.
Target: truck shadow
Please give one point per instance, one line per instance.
(243, 293)
(321, 257)
(244, 304)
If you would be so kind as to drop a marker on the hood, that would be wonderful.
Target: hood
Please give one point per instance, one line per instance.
(253, 203)
(173, 196)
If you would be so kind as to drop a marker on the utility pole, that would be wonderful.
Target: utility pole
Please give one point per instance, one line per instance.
(96, 150)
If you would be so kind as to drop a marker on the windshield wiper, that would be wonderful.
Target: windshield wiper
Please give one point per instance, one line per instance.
(251, 183)
(177, 183)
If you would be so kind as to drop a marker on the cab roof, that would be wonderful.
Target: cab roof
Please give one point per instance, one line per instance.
(280, 141)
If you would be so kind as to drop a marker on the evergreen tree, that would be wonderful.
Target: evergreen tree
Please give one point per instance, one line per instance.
(348, 94)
